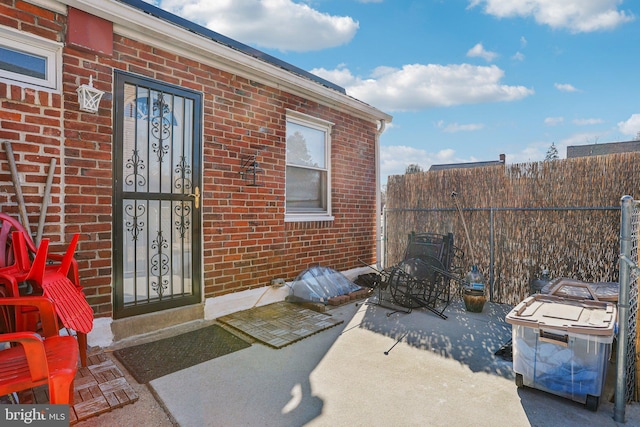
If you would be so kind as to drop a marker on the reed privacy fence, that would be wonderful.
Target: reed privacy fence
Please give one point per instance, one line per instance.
(562, 215)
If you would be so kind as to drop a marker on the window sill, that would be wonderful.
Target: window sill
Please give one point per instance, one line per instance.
(307, 217)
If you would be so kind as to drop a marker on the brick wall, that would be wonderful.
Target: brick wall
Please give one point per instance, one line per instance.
(246, 242)
(32, 121)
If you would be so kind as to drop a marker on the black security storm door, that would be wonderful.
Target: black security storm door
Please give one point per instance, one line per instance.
(157, 160)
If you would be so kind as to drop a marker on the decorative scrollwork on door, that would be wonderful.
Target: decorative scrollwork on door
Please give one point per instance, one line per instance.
(159, 264)
(136, 163)
(161, 127)
(134, 223)
(183, 213)
(183, 171)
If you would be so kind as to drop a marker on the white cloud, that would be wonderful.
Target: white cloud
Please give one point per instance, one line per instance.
(446, 156)
(587, 122)
(478, 51)
(565, 87)
(341, 76)
(580, 139)
(394, 159)
(536, 151)
(533, 152)
(417, 86)
(276, 24)
(455, 127)
(631, 126)
(553, 121)
(518, 56)
(577, 16)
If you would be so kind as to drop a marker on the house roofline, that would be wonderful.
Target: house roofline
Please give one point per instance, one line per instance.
(469, 165)
(149, 24)
(603, 148)
(224, 40)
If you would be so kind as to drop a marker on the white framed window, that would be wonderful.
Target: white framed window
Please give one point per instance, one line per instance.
(308, 174)
(29, 60)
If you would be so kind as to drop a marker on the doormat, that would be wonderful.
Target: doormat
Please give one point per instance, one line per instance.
(279, 324)
(153, 360)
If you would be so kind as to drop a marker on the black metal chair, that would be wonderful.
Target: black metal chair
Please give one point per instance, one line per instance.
(423, 277)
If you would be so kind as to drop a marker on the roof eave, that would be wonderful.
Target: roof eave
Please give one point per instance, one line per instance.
(196, 42)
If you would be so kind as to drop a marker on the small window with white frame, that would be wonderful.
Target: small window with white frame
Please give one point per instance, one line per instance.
(308, 174)
(29, 60)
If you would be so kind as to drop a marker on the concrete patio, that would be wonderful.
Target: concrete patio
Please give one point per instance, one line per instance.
(372, 370)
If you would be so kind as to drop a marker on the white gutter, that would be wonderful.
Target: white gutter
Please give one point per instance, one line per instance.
(136, 24)
(378, 196)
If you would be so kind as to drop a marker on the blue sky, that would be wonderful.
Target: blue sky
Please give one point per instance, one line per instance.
(465, 80)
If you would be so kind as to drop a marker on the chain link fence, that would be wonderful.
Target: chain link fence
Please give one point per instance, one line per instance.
(627, 358)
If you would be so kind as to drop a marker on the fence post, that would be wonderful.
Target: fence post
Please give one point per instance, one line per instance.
(491, 254)
(385, 254)
(623, 307)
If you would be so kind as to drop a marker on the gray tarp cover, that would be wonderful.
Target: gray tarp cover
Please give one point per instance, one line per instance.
(318, 284)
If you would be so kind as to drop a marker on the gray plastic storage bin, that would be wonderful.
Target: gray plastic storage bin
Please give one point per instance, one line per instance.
(562, 346)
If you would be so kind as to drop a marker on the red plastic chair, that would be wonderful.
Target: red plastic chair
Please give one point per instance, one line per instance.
(8, 225)
(51, 281)
(69, 302)
(34, 361)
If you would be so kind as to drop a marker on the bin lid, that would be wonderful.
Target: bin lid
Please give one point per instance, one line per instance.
(572, 288)
(574, 316)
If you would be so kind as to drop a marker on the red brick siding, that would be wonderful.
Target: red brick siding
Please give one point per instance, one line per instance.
(32, 121)
(246, 242)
